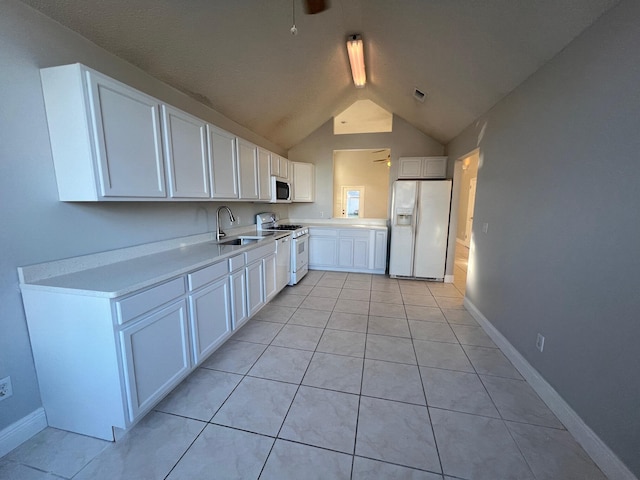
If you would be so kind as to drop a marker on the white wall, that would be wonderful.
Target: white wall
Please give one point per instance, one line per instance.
(318, 148)
(558, 186)
(36, 227)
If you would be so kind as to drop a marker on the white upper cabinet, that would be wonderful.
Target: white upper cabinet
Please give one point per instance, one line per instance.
(422, 167)
(185, 147)
(264, 174)
(303, 180)
(223, 166)
(279, 166)
(105, 137)
(247, 170)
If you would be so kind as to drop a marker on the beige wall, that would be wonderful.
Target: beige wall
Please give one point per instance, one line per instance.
(357, 168)
(318, 148)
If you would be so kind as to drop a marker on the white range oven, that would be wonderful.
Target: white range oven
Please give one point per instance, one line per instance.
(266, 222)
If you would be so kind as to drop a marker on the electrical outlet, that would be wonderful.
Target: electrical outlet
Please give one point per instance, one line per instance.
(540, 342)
(485, 227)
(5, 388)
(321, 214)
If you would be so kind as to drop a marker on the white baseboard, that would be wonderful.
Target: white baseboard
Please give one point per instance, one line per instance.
(448, 279)
(22, 430)
(600, 453)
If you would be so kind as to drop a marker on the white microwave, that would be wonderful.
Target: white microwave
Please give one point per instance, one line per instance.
(280, 191)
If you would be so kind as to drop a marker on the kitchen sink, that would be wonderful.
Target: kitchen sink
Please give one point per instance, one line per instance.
(238, 241)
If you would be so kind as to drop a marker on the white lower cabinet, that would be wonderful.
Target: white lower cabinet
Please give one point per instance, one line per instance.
(210, 318)
(105, 362)
(255, 287)
(354, 249)
(270, 277)
(238, 281)
(156, 356)
(323, 247)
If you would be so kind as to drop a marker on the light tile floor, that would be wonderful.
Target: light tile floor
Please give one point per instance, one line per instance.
(343, 376)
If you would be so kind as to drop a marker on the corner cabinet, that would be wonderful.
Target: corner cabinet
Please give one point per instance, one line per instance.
(303, 181)
(348, 249)
(105, 137)
(422, 167)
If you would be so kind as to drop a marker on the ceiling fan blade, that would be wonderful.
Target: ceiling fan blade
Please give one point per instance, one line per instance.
(315, 6)
(378, 151)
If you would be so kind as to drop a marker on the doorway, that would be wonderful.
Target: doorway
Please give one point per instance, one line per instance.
(468, 171)
(353, 202)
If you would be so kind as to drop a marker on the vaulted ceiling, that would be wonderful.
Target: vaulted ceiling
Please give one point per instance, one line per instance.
(239, 57)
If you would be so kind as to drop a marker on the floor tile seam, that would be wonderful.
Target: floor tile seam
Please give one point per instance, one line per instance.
(400, 465)
(364, 353)
(317, 446)
(522, 422)
(186, 450)
(216, 424)
(404, 402)
(327, 389)
(513, 439)
(424, 392)
(37, 469)
(391, 361)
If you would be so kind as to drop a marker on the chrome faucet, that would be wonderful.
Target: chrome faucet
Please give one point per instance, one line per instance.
(219, 233)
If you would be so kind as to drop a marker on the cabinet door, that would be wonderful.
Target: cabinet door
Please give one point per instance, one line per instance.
(284, 168)
(410, 167)
(185, 152)
(223, 166)
(210, 318)
(303, 182)
(434, 167)
(345, 252)
(264, 174)
(361, 253)
(239, 298)
(127, 139)
(255, 287)
(247, 170)
(380, 254)
(275, 165)
(323, 251)
(270, 277)
(156, 356)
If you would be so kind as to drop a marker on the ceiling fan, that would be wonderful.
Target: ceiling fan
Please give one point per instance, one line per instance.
(385, 159)
(312, 7)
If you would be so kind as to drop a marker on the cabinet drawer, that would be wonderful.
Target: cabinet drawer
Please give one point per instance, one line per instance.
(237, 262)
(259, 252)
(135, 305)
(325, 232)
(207, 275)
(351, 233)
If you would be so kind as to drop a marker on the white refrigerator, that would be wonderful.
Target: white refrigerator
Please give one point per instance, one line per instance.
(419, 228)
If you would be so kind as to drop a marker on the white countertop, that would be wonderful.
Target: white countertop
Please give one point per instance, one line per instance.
(126, 276)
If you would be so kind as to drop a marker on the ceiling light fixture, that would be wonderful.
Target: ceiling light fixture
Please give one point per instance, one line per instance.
(356, 59)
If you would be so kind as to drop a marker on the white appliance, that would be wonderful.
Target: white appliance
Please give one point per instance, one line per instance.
(283, 262)
(266, 222)
(419, 228)
(280, 191)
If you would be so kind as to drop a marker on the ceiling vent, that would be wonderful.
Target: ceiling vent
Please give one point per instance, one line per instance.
(419, 95)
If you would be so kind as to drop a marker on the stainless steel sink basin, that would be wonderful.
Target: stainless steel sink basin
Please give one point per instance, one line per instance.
(238, 241)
